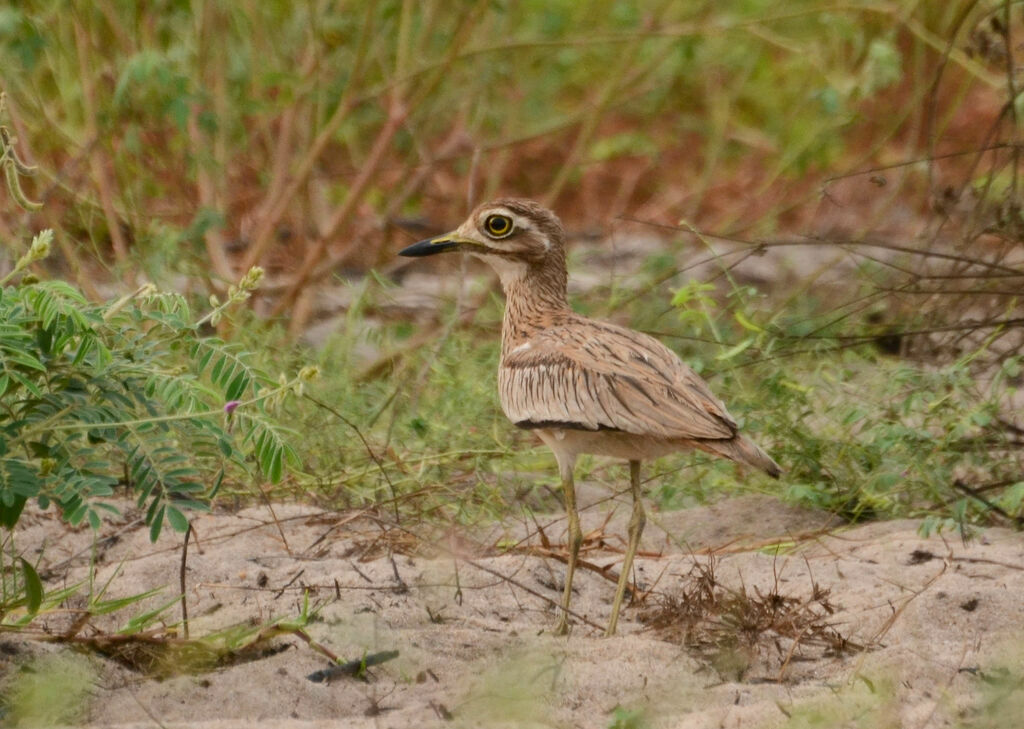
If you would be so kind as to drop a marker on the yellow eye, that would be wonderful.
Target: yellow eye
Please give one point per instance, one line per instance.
(498, 226)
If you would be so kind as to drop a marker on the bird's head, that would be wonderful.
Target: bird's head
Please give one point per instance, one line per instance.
(511, 235)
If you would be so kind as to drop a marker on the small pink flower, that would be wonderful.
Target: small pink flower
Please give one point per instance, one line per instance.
(229, 407)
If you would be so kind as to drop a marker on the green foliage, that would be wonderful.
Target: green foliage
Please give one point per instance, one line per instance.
(992, 699)
(623, 718)
(130, 393)
(867, 704)
(164, 95)
(21, 588)
(859, 432)
(445, 448)
(51, 691)
(1000, 696)
(515, 690)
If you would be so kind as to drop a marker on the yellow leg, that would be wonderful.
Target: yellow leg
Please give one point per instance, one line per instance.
(575, 540)
(636, 528)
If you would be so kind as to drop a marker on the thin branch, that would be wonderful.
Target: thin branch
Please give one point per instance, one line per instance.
(268, 224)
(104, 183)
(181, 581)
(368, 172)
(376, 459)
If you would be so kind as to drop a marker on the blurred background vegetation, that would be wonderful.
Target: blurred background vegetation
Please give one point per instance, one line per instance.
(865, 153)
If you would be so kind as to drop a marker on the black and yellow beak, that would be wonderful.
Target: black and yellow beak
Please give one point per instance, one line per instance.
(430, 246)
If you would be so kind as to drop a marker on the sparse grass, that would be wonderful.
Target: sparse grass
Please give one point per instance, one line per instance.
(865, 704)
(514, 691)
(862, 433)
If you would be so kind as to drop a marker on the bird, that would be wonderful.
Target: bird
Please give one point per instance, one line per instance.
(583, 385)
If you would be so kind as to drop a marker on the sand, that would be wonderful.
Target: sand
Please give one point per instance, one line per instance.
(941, 620)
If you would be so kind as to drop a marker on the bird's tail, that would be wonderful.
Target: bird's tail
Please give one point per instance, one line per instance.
(743, 450)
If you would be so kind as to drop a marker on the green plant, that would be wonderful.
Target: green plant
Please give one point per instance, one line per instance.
(999, 696)
(129, 392)
(867, 703)
(52, 690)
(862, 433)
(126, 393)
(623, 718)
(13, 168)
(292, 121)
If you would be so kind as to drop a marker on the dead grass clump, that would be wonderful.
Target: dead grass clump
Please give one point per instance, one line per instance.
(747, 635)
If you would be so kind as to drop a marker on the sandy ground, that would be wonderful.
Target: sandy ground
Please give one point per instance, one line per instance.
(472, 624)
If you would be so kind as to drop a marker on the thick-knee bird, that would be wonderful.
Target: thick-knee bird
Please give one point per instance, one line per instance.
(586, 386)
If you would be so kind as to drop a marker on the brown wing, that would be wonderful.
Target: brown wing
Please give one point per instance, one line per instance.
(595, 376)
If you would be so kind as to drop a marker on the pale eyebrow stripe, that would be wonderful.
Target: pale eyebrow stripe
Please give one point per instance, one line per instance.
(520, 221)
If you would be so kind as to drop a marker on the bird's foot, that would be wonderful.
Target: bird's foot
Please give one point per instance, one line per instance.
(562, 627)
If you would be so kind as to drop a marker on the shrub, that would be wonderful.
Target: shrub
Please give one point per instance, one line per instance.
(127, 392)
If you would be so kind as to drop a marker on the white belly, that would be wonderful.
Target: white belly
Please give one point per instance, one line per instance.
(606, 443)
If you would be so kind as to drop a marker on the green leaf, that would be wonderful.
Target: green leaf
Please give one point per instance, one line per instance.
(735, 349)
(192, 505)
(33, 587)
(204, 361)
(75, 516)
(25, 360)
(177, 520)
(217, 367)
(218, 482)
(104, 607)
(139, 622)
(176, 474)
(276, 465)
(28, 384)
(237, 386)
(744, 322)
(9, 514)
(156, 525)
(266, 455)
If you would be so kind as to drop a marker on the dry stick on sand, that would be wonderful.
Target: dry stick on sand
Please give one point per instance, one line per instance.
(356, 668)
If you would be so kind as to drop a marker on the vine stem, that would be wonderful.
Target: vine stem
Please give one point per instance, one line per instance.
(181, 579)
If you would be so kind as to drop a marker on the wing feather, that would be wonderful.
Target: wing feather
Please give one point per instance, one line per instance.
(596, 376)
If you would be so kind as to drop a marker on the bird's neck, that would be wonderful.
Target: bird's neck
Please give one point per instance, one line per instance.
(535, 300)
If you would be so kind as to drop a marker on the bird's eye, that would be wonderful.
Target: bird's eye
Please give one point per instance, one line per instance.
(498, 226)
